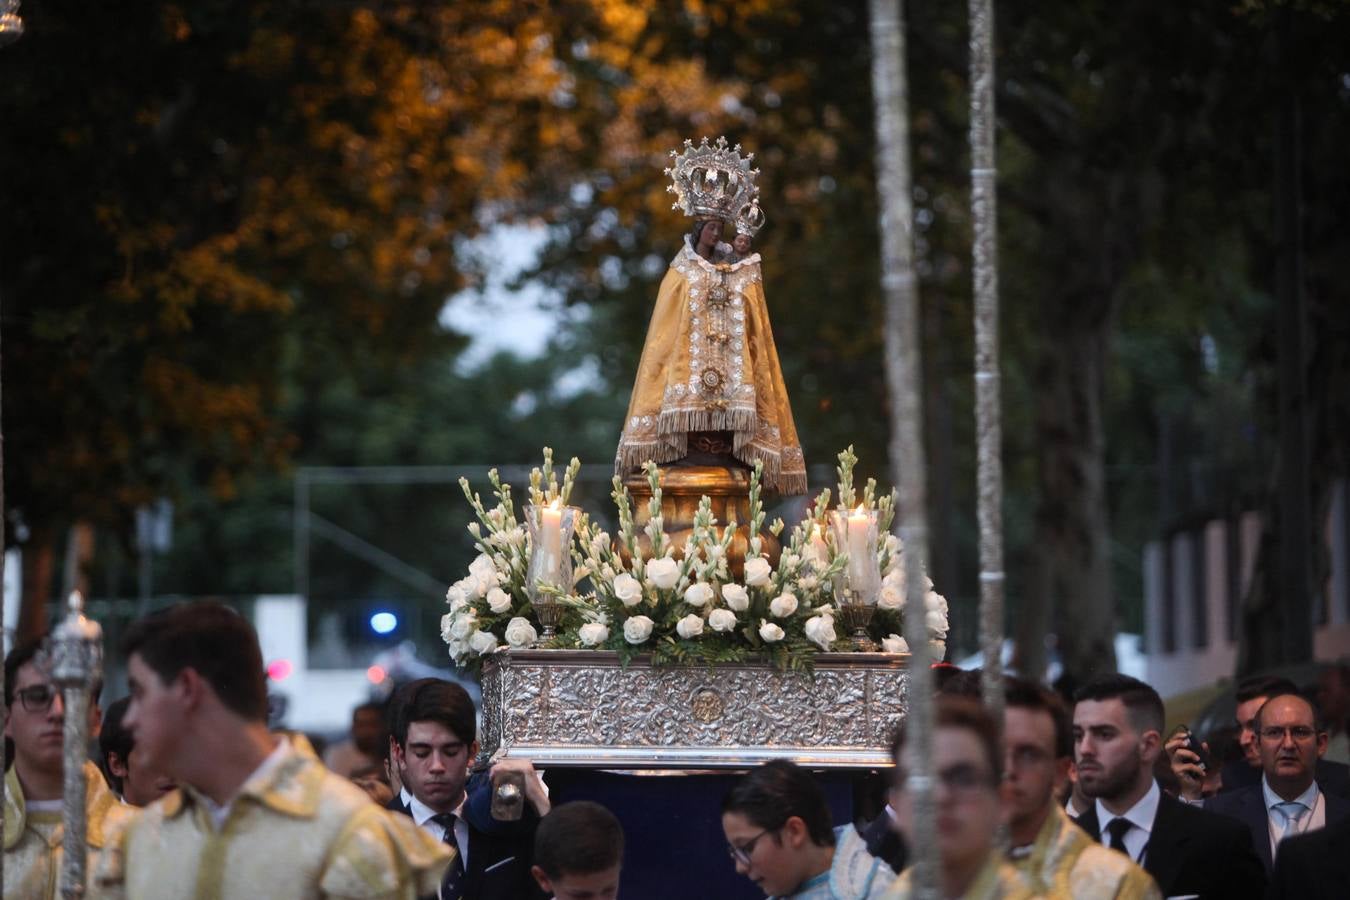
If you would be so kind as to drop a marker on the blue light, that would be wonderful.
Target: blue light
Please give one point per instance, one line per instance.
(383, 622)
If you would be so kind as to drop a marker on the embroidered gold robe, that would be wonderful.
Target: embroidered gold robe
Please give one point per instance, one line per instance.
(710, 364)
(297, 831)
(33, 849)
(1065, 862)
(996, 881)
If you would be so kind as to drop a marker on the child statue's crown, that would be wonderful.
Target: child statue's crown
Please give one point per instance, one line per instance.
(714, 182)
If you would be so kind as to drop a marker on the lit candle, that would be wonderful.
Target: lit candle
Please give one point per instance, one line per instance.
(819, 549)
(550, 537)
(859, 548)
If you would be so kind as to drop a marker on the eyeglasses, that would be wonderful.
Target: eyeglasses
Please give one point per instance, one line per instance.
(961, 779)
(742, 853)
(1299, 733)
(37, 698)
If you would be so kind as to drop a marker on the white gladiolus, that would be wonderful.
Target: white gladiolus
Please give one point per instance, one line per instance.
(736, 597)
(691, 626)
(721, 620)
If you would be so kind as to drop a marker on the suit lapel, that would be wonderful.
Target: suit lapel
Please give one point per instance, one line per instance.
(1166, 839)
(1257, 820)
(1337, 807)
(1088, 822)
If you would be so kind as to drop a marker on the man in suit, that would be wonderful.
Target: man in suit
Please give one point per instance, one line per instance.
(433, 742)
(1117, 731)
(1313, 866)
(1252, 693)
(1291, 737)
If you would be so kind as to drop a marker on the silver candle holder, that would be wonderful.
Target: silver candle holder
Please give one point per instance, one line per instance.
(550, 571)
(858, 584)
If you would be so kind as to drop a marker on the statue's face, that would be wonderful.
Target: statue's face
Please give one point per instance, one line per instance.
(711, 233)
(741, 244)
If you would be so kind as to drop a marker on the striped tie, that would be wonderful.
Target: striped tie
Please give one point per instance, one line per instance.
(452, 885)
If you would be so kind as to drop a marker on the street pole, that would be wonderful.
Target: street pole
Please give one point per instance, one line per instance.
(904, 375)
(988, 423)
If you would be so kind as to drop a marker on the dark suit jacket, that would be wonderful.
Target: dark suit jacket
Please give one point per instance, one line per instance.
(1191, 851)
(885, 843)
(1332, 777)
(1313, 866)
(500, 859)
(1248, 806)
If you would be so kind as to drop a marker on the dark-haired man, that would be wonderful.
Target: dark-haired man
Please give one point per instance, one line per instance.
(433, 742)
(779, 834)
(1117, 730)
(130, 778)
(578, 852)
(967, 772)
(1054, 856)
(363, 749)
(34, 719)
(256, 815)
(1291, 738)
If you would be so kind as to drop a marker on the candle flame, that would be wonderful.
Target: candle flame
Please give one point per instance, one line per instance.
(860, 510)
(557, 501)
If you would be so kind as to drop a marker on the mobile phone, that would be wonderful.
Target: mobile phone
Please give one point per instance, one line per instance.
(1193, 745)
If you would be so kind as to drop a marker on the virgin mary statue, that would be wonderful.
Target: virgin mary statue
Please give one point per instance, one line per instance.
(709, 388)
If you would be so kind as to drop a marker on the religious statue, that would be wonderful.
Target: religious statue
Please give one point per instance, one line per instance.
(709, 388)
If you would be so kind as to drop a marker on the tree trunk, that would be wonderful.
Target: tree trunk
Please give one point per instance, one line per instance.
(1071, 524)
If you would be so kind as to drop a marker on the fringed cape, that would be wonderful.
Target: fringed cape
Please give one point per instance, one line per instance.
(710, 364)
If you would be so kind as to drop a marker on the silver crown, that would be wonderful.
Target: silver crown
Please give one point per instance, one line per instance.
(714, 182)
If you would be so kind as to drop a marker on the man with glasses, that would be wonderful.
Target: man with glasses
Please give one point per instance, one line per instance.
(779, 835)
(1288, 801)
(1053, 855)
(1117, 732)
(967, 764)
(34, 718)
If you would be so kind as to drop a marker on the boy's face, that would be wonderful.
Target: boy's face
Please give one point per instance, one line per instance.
(602, 885)
(741, 244)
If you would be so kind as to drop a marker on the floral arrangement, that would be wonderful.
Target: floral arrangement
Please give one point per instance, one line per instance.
(680, 609)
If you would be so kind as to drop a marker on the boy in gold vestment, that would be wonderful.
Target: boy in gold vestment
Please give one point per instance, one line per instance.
(257, 815)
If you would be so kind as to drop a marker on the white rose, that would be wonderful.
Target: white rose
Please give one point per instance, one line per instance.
(446, 621)
(736, 597)
(894, 644)
(691, 626)
(783, 605)
(757, 571)
(937, 623)
(459, 650)
(698, 593)
(628, 589)
(483, 642)
(520, 633)
(458, 595)
(820, 631)
(770, 632)
(593, 634)
(935, 602)
(892, 597)
(498, 600)
(938, 649)
(637, 629)
(663, 572)
(721, 620)
(465, 624)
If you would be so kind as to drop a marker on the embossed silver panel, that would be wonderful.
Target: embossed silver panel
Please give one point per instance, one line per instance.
(581, 708)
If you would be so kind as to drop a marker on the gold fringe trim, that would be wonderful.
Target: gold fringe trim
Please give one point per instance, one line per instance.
(683, 421)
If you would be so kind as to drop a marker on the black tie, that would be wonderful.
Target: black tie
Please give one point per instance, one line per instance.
(452, 885)
(1118, 828)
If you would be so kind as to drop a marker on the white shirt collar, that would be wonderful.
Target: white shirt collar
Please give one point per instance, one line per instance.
(1141, 815)
(1308, 798)
(422, 813)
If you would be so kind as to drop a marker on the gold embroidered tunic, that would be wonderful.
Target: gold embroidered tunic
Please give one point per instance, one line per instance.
(1065, 862)
(996, 881)
(296, 831)
(33, 839)
(710, 364)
